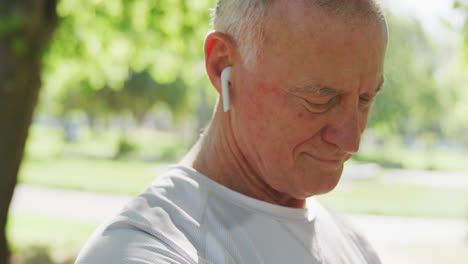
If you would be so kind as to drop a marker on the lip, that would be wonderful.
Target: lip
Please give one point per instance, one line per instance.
(330, 160)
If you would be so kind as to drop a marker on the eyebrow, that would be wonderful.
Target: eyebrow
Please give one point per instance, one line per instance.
(316, 90)
(328, 91)
(380, 85)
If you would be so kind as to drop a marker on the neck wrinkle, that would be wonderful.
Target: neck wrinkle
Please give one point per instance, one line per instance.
(219, 157)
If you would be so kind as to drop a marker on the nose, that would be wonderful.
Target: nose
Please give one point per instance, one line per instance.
(344, 131)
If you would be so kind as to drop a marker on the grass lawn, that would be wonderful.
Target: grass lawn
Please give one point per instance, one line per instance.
(119, 177)
(44, 239)
(399, 157)
(379, 198)
(90, 165)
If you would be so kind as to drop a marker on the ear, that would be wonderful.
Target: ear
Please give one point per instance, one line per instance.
(220, 52)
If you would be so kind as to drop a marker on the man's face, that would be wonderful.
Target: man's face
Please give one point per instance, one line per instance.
(299, 113)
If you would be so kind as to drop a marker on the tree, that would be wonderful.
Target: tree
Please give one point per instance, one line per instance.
(141, 92)
(403, 105)
(462, 5)
(101, 43)
(457, 122)
(25, 29)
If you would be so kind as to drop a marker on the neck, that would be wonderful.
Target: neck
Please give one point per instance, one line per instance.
(218, 156)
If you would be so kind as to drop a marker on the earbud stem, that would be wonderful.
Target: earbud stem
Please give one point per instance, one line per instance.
(225, 78)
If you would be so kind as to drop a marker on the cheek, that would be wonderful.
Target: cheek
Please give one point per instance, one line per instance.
(254, 112)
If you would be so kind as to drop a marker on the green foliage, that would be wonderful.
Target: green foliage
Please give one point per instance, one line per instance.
(457, 119)
(10, 24)
(141, 92)
(38, 255)
(124, 148)
(44, 239)
(465, 29)
(409, 103)
(103, 44)
(462, 6)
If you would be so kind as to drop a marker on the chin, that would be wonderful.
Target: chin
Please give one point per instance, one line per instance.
(322, 183)
(326, 188)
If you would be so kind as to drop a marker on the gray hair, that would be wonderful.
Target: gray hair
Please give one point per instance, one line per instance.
(244, 20)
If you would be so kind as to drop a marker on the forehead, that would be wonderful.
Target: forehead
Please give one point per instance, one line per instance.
(300, 18)
(310, 41)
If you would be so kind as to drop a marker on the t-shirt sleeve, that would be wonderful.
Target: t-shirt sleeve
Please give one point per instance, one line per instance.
(119, 244)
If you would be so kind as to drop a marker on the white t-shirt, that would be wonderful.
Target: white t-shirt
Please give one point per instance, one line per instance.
(185, 217)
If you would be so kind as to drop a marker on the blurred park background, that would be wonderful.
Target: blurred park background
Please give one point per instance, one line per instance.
(124, 94)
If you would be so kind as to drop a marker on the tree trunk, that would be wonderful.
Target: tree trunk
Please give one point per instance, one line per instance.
(26, 26)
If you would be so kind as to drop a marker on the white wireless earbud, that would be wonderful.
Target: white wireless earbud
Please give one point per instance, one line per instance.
(225, 78)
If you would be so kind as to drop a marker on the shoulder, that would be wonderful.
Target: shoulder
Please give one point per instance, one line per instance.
(152, 227)
(124, 243)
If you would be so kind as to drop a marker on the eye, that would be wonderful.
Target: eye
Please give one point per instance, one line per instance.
(321, 107)
(317, 107)
(365, 101)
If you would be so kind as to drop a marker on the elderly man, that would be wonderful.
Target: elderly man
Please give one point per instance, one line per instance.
(296, 81)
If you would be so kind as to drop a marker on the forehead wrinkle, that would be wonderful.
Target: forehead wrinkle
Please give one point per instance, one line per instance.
(322, 90)
(317, 90)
